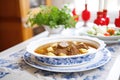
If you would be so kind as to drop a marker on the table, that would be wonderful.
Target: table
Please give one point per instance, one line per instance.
(13, 67)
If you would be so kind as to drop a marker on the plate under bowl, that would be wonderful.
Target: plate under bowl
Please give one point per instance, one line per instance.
(101, 58)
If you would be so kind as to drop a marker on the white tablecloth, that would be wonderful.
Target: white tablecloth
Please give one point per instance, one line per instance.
(13, 67)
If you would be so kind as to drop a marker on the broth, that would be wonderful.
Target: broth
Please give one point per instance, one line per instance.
(65, 48)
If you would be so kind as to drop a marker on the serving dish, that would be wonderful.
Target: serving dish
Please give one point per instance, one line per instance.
(108, 39)
(102, 57)
(65, 60)
(108, 34)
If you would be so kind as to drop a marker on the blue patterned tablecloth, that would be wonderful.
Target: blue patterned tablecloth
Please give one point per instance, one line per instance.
(13, 67)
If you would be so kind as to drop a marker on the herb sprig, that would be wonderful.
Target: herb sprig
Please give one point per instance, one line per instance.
(52, 16)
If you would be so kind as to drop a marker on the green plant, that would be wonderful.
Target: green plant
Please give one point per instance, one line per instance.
(52, 16)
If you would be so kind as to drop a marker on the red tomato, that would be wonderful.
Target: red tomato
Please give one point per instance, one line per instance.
(106, 34)
(111, 31)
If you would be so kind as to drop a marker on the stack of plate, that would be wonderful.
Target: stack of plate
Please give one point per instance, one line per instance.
(73, 63)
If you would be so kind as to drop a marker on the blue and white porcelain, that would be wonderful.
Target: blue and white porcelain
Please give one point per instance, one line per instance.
(65, 60)
(101, 58)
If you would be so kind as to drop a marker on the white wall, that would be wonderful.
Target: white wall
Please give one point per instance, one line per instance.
(60, 3)
(113, 6)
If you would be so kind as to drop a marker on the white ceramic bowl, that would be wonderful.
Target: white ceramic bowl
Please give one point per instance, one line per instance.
(65, 60)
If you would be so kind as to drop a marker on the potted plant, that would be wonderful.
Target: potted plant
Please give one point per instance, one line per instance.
(52, 17)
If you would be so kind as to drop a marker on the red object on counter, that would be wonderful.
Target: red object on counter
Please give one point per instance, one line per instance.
(107, 20)
(99, 20)
(76, 17)
(117, 21)
(85, 15)
(74, 12)
(102, 18)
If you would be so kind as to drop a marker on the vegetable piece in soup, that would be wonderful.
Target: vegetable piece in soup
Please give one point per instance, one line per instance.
(64, 48)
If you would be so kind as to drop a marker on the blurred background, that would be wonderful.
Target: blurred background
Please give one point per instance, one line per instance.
(13, 15)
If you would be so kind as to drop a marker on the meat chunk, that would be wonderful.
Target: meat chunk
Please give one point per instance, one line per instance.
(58, 51)
(73, 50)
(82, 45)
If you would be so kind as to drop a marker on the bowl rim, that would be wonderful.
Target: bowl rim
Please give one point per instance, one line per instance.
(100, 42)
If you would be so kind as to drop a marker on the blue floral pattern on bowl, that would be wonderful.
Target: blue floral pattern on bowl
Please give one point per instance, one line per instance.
(101, 58)
(66, 61)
